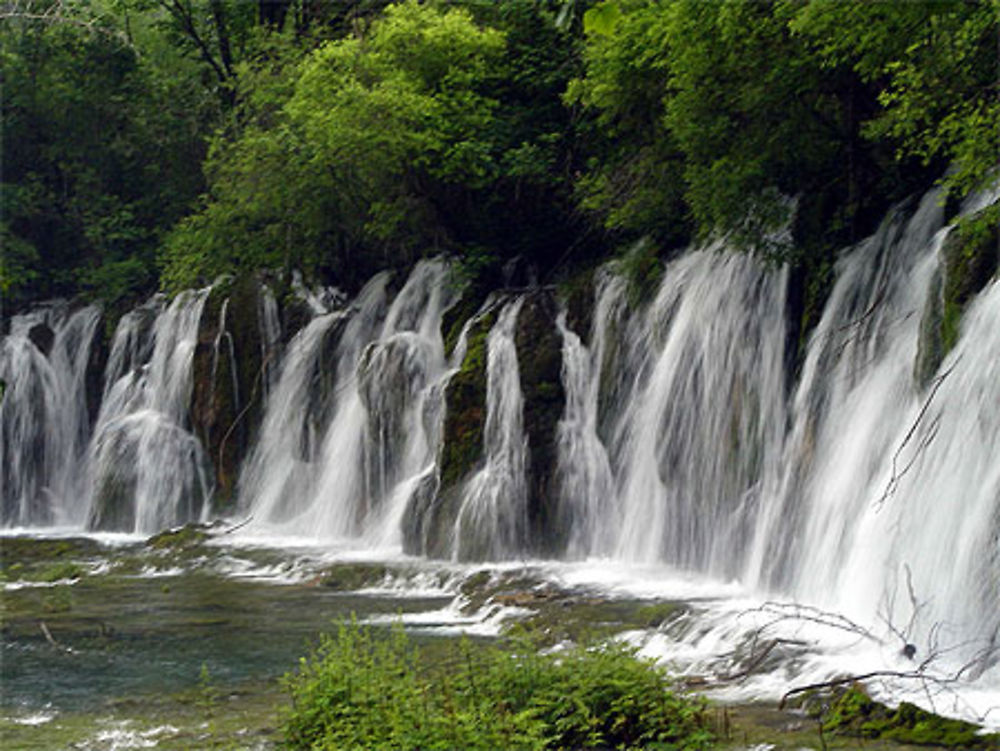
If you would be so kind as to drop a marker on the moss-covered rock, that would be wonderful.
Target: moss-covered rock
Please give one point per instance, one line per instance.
(465, 411)
(969, 256)
(228, 372)
(855, 713)
(179, 538)
(641, 266)
(432, 511)
(539, 357)
(577, 296)
(453, 321)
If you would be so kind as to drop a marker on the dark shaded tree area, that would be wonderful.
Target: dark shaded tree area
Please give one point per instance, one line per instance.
(159, 143)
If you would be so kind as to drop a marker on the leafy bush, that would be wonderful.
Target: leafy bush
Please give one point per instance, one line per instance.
(361, 689)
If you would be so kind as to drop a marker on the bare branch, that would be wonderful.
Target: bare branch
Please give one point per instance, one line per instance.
(897, 474)
(62, 13)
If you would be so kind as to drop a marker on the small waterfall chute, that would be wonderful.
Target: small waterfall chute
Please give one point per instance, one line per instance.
(148, 471)
(491, 522)
(585, 478)
(370, 441)
(44, 418)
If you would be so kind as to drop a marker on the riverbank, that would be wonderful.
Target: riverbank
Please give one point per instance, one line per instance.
(180, 641)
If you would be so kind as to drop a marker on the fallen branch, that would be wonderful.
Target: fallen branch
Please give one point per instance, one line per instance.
(834, 682)
(50, 639)
(235, 527)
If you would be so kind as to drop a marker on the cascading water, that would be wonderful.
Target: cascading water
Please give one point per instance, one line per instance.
(44, 420)
(372, 442)
(900, 489)
(853, 398)
(866, 493)
(685, 443)
(148, 471)
(586, 480)
(699, 419)
(492, 518)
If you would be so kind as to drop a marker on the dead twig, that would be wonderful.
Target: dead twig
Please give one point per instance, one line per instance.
(897, 474)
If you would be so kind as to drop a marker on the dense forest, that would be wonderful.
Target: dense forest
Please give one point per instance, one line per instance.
(156, 144)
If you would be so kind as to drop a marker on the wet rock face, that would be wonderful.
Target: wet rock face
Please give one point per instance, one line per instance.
(578, 297)
(969, 260)
(94, 375)
(114, 490)
(465, 411)
(42, 337)
(423, 531)
(429, 526)
(431, 516)
(228, 388)
(539, 356)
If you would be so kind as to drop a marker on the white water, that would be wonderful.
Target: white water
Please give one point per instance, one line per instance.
(350, 469)
(148, 471)
(492, 519)
(701, 419)
(44, 422)
(586, 480)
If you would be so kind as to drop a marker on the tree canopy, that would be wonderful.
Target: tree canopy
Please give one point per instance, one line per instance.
(159, 143)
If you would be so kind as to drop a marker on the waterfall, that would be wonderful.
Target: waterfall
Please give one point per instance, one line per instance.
(899, 484)
(586, 481)
(685, 439)
(340, 446)
(492, 518)
(147, 470)
(698, 418)
(44, 420)
(942, 520)
(854, 395)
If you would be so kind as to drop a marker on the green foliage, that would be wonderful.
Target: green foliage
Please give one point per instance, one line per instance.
(191, 138)
(433, 127)
(855, 713)
(634, 179)
(100, 155)
(934, 68)
(360, 689)
(752, 119)
(339, 146)
(208, 692)
(642, 269)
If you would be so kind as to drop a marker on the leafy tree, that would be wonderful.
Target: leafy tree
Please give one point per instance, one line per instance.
(634, 175)
(340, 169)
(100, 155)
(934, 65)
(748, 118)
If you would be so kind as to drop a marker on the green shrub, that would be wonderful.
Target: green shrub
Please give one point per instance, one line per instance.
(360, 689)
